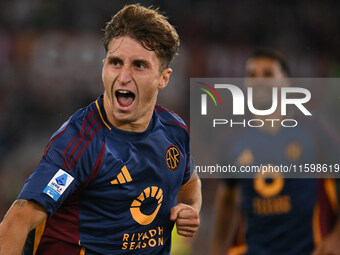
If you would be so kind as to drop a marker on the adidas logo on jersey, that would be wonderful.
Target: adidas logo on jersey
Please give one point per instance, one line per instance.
(123, 177)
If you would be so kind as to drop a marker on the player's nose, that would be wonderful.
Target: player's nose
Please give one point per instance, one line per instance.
(125, 75)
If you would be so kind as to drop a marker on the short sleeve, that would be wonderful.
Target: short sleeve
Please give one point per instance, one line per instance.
(65, 166)
(190, 167)
(329, 143)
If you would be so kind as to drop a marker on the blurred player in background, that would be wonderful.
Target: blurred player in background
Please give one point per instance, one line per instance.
(273, 215)
(116, 176)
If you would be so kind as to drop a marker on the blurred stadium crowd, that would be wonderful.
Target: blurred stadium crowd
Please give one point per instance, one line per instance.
(51, 51)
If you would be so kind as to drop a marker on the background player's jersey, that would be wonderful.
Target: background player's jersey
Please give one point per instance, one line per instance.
(109, 191)
(284, 216)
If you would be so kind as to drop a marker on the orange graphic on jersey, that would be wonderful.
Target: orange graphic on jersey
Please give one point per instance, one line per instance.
(137, 215)
(270, 201)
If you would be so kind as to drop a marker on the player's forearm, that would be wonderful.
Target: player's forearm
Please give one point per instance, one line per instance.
(20, 219)
(190, 193)
(13, 232)
(221, 238)
(12, 238)
(227, 218)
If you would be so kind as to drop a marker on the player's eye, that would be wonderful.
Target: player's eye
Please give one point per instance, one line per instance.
(140, 65)
(115, 62)
(268, 73)
(250, 74)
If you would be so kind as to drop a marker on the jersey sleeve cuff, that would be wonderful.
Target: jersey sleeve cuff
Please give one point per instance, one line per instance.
(41, 199)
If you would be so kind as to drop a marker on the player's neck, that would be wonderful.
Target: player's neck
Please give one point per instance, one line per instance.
(140, 124)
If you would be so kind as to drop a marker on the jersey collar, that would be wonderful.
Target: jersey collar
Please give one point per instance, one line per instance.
(101, 111)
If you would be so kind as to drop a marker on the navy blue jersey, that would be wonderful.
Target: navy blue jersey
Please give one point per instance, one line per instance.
(109, 191)
(284, 216)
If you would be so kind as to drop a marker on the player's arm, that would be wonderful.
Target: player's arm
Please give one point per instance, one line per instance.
(186, 212)
(331, 244)
(227, 218)
(21, 218)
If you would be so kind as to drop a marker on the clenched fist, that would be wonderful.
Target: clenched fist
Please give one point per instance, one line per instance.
(186, 219)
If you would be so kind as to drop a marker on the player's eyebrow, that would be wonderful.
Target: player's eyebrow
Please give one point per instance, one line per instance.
(141, 61)
(268, 72)
(249, 73)
(115, 58)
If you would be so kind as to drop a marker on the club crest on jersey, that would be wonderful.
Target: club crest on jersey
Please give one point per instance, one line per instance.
(293, 151)
(173, 157)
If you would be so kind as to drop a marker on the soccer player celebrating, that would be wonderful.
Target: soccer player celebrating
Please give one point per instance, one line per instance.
(271, 214)
(117, 175)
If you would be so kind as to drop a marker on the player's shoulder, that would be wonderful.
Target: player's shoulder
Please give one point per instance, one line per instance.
(81, 128)
(170, 119)
(82, 120)
(317, 127)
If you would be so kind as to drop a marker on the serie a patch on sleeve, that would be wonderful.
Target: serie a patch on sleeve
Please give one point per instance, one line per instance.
(58, 184)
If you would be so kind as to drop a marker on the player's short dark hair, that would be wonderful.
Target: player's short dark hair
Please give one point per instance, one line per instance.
(149, 27)
(275, 55)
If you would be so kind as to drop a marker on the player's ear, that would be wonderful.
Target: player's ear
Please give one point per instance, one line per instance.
(165, 76)
(103, 61)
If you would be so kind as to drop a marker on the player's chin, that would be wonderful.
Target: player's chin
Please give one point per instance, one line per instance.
(125, 116)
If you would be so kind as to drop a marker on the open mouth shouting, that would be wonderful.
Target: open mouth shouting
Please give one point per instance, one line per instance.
(125, 99)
